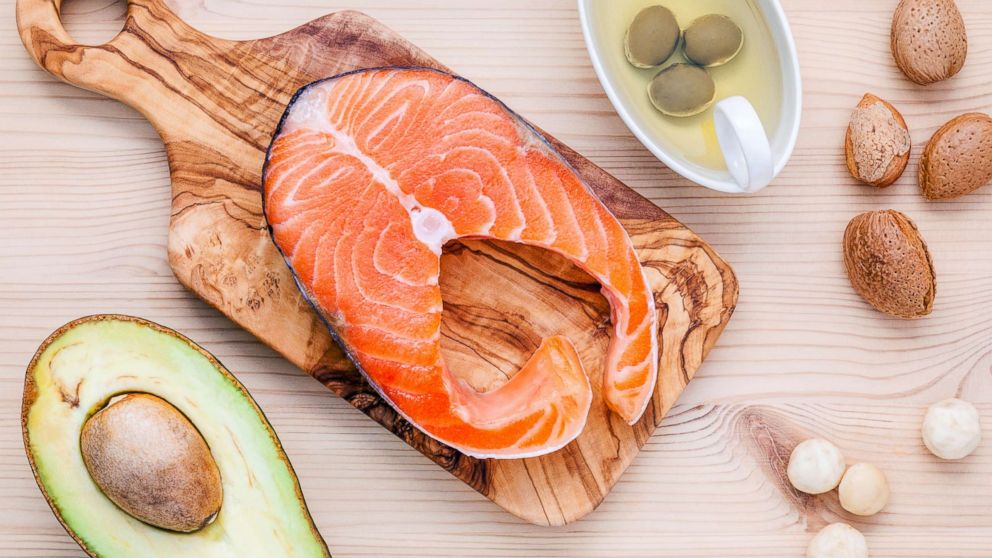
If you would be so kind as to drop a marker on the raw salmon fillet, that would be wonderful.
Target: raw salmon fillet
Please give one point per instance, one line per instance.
(370, 173)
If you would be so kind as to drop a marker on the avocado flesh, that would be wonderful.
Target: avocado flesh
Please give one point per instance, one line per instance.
(85, 363)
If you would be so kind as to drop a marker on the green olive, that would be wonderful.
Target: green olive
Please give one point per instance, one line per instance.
(682, 90)
(713, 40)
(652, 37)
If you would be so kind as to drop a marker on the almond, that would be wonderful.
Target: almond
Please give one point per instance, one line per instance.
(958, 158)
(877, 144)
(889, 265)
(929, 40)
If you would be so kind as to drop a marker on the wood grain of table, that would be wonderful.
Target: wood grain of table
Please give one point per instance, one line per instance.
(84, 201)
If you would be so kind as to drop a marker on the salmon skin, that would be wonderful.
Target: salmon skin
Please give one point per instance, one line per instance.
(370, 173)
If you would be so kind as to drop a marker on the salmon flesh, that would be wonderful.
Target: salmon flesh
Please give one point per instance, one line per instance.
(370, 173)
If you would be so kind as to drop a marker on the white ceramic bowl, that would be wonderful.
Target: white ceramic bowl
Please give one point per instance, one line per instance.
(782, 140)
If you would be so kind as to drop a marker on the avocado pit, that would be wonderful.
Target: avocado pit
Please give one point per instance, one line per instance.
(150, 460)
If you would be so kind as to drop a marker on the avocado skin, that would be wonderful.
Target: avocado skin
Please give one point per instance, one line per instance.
(31, 394)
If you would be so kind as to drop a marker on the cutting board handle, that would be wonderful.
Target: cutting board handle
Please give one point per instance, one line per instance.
(117, 68)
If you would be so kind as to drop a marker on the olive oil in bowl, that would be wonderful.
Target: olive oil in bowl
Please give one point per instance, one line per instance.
(755, 73)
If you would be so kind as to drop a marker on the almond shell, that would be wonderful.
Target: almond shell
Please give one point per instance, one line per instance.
(889, 265)
(929, 40)
(958, 158)
(898, 164)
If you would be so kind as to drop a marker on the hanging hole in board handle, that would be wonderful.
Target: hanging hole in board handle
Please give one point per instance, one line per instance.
(744, 144)
(39, 23)
(93, 22)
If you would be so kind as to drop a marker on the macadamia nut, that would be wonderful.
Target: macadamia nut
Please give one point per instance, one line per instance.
(864, 490)
(815, 466)
(952, 429)
(838, 540)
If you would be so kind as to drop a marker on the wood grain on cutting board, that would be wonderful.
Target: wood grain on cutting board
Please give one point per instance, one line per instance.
(216, 103)
(802, 355)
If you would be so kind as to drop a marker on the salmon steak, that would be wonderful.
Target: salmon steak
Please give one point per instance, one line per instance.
(370, 173)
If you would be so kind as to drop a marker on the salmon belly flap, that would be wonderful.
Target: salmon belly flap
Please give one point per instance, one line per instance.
(368, 176)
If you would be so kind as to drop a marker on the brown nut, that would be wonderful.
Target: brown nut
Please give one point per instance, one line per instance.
(877, 144)
(682, 90)
(652, 38)
(958, 158)
(929, 40)
(713, 40)
(889, 265)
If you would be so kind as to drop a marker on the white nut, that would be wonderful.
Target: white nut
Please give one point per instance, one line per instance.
(864, 490)
(838, 540)
(815, 466)
(952, 429)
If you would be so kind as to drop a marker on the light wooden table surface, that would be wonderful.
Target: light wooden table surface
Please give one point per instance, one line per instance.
(84, 202)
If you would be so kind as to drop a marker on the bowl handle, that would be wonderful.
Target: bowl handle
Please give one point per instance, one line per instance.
(744, 144)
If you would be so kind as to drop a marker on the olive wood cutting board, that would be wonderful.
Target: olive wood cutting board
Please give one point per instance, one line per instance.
(216, 103)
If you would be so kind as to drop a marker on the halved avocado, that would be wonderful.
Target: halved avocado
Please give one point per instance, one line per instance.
(84, 364)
